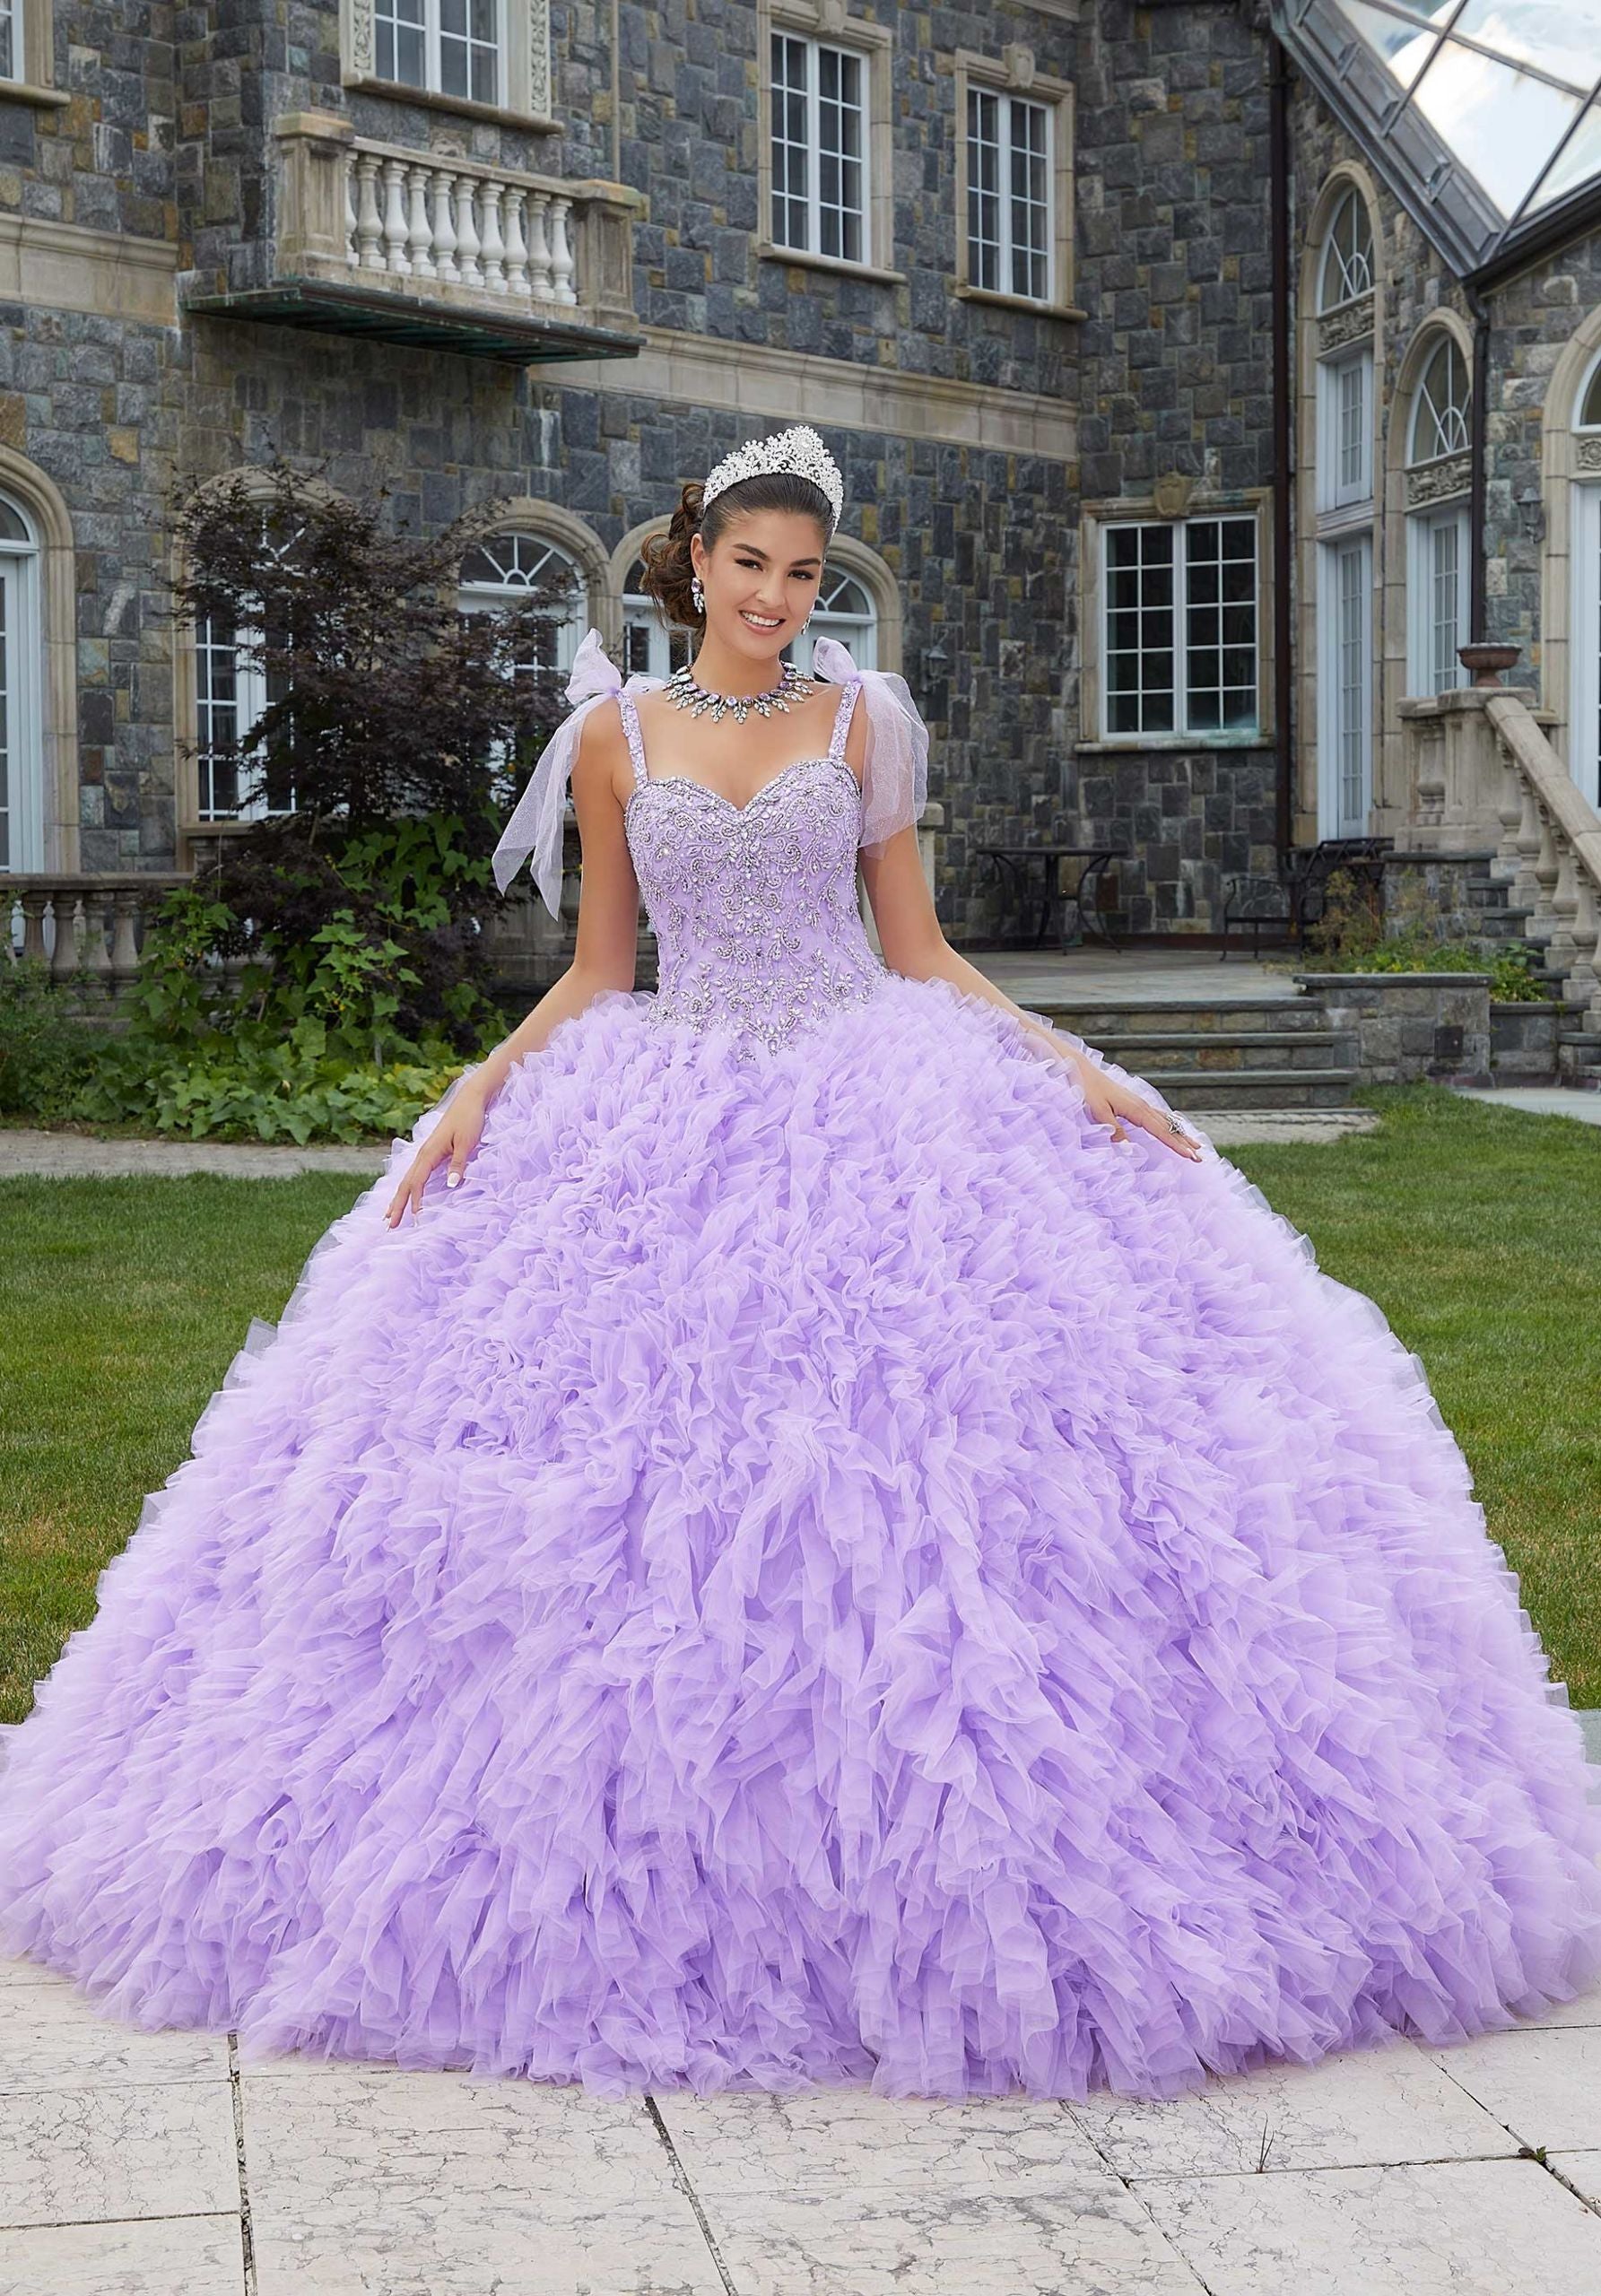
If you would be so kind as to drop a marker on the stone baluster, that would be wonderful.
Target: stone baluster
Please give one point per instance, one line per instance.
(125, 908)
(444, 225)
(493, 255)
(94, 961)
(397, 226)
(1562, 949)
(539, 247)
(33, 901)
(351, 244)
(369, 221)
(466, 234)
(1509, 813)
(1525, 885)
(517, 245)
(561, 264)
(419, 229)
(63, 956)
(1543, 924)
(1582, 988)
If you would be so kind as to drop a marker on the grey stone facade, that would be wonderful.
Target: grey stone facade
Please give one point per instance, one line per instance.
(974, 431)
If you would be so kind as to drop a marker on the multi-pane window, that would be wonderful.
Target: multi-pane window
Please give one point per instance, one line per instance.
(1354, 644)
(22, 765)
(451, 47)
(1008, 195)
(231, 693)
(11, 39)
(651, 646)
(819, 148)
(1344, 460)
(1347, 270)
(1181, 631)
(1439, 411)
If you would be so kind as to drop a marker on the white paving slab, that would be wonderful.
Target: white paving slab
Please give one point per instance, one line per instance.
(52, 2037)
(424, 2183)
(1453, 2228)
(81, 2156)
(849, 2140)
(1358, 2107)
(1087, 2237)
(1543, 2083)
(1583, 2170)
(1538, 1100)
(177, 2255)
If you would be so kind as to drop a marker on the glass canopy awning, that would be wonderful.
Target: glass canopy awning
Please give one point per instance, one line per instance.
(1484, 116)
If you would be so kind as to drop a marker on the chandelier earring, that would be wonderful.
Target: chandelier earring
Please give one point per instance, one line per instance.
(699, 596)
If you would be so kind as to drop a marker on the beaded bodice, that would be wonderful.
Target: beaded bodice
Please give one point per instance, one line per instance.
(753, 907)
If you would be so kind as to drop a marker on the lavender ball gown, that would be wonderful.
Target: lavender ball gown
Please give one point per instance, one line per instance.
(809, 1566)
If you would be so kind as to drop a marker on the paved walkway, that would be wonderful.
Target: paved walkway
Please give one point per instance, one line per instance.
(153, 2164)
(1538, 1100)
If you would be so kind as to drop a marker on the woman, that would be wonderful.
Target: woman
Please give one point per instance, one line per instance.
(842, 1545)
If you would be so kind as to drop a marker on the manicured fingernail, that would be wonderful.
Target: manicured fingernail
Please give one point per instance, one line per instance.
(453, 1179)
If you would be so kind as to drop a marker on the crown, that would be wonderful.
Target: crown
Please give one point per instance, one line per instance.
(799, 450)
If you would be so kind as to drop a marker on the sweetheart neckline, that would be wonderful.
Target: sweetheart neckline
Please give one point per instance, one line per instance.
(688, 781)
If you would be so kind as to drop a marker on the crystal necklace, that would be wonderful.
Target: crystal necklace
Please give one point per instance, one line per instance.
(683, 691)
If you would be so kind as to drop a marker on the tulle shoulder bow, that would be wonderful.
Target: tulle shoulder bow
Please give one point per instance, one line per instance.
(895, 768)
(536, 825)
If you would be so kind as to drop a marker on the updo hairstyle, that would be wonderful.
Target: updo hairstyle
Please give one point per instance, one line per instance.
(669, 569)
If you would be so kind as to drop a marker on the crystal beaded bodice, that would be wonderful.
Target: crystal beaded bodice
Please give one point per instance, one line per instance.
(753, 907)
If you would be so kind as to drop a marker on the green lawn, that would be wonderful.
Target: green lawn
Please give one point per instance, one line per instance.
(121, 1302)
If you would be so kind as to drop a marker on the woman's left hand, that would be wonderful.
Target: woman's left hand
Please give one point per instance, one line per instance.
(1118, 1105)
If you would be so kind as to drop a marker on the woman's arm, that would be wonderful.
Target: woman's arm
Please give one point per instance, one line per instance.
(604, 954)
(909, 934)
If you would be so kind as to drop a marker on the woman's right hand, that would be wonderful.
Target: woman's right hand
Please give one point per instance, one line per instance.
(453, 1139)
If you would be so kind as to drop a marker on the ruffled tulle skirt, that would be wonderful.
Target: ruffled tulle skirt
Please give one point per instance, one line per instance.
(808, 1569)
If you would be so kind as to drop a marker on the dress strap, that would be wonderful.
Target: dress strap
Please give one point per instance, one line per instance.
(636, 740)
(836, 748)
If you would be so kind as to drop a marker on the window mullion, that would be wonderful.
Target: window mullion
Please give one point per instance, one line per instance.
(1181, 626)
(814, 147)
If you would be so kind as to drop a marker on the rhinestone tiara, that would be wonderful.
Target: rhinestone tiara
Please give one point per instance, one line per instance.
(798, 449)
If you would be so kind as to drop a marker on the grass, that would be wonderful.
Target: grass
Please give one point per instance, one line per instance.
(122, 1301)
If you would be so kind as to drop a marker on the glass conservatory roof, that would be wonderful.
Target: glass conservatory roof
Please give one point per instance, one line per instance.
(1484, 114)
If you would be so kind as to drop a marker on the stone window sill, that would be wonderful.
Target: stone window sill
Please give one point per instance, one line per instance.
(1143, 744)
(463, 106)
(1019, 302)
(26, 91)
(769, 253)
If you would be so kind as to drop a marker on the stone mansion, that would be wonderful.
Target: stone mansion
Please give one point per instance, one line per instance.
(1205, 376)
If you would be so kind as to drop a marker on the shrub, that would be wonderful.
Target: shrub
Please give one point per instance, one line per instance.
(1352, 935)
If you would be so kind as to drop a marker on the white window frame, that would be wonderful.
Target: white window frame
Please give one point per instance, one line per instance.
(485, 598)
(1344, 685)
(13, 14)
(1424, 625)
(1339, 408)
(1007, 105)
(21, 666)
(524, 72)
(1011, 78)
(826, 22)
(1181, 733)
(1585, 742)
(250, 700)
(385, 16)
(813, 49)
(856, 631)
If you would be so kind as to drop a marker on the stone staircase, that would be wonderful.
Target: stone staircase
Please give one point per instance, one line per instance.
(1220, 1051)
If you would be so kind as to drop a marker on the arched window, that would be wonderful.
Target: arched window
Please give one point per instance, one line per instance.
(1438, 534)
(845, 611)
(652, 646)
(21, 747)
(504, 568)
(1345, 518)
(231, 691)
(1440, 407)
(1584, 748)
(1347, 268)
(1590, 409)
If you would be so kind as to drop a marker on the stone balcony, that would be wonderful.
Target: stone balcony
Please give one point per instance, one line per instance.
(419, 246)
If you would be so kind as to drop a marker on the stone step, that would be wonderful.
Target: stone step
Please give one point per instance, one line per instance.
(1253, 1088)
(1213, 1052)
(1205, 1016)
